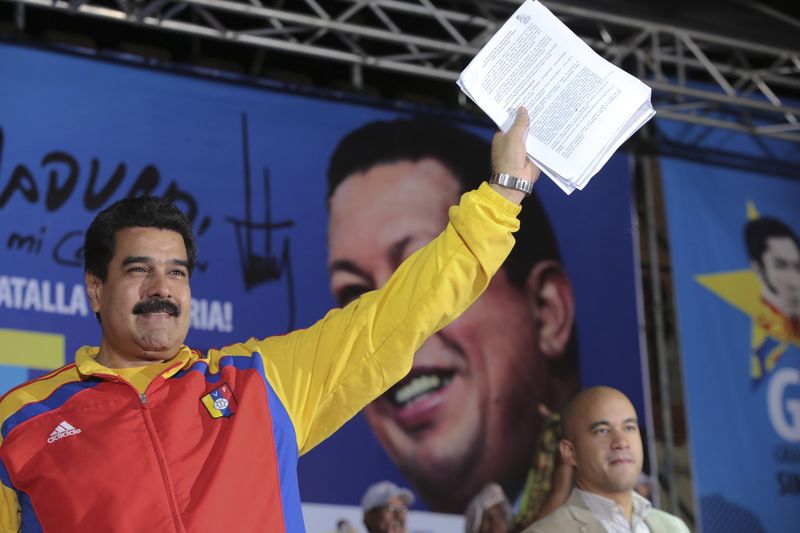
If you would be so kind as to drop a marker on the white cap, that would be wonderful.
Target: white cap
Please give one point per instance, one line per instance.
(491, 495)
(380, 493)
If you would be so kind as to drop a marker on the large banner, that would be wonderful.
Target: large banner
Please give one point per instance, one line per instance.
(250, 168)
(736, 265)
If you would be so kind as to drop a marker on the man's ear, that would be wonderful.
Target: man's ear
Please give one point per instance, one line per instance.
(550, 291)
(94, 289)
(567, 452)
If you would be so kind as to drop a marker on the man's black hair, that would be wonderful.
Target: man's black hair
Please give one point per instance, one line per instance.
(144, 212)
(468, 157)
(757, 231)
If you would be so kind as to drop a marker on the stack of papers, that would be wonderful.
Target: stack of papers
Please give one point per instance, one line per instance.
(581, 107)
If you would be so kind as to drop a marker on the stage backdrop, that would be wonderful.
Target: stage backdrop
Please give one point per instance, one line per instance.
(248, 165)
(741, 363)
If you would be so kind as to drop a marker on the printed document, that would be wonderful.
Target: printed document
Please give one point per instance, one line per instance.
(581, 107)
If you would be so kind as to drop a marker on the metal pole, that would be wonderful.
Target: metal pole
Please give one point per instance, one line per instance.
(19, 16)
(660, 337)
(644, 358)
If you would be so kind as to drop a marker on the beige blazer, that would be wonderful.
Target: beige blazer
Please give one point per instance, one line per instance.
(575, 516)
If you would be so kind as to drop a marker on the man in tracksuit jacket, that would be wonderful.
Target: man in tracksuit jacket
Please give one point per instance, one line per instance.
(144, 434)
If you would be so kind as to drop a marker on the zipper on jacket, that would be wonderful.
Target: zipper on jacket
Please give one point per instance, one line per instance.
(156, 443)
(162, 464)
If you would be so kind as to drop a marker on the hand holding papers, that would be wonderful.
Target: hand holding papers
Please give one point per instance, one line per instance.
(582, 108)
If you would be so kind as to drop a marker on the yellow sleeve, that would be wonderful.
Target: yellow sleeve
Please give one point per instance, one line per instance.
(9, 510)
(325, 374)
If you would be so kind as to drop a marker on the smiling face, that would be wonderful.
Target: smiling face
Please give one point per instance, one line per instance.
(603, 443)
(144, 301)
(467, 412)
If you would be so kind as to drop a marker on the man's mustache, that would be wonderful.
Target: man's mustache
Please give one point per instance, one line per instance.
(156, 305)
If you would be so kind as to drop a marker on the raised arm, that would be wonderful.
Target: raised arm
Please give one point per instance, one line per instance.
(328, 372)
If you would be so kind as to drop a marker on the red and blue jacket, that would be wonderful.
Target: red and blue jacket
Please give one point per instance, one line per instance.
(213, 443)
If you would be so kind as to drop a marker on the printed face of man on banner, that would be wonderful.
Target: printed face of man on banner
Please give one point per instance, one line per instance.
(774, 253)
(470, 410)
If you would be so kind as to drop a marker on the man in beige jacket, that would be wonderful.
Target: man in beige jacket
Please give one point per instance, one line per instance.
(601, 441)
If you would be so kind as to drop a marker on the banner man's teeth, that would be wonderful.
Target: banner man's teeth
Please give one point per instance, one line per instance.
(417, 388)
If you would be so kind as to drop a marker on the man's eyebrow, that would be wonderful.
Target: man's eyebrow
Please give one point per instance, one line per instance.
(136, 259)
(394, 254)
(345, 265)
(599, 423)
(131, 259)
(397, 250)
(181, 262)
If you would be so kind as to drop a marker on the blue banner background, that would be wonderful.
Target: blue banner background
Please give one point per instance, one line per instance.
(186, 131)
(733, 442)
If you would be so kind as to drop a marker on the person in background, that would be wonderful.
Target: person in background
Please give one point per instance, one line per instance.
(489, 511)
(343, 526)
(385, 507)
(602, 443)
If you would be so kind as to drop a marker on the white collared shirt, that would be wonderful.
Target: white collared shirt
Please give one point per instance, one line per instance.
(612, 516)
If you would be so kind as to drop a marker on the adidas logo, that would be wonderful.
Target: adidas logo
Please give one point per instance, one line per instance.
(64, 429)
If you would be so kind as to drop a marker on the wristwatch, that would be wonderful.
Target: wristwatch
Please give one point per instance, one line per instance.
(512, 182)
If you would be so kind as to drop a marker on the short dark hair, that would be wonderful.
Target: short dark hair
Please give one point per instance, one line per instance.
(468, 157)
(145, 212)
(757, 231)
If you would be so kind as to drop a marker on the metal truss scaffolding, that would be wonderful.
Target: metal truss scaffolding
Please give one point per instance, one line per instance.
(696, 77)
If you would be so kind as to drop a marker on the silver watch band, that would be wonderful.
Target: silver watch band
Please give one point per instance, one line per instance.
(512, 182)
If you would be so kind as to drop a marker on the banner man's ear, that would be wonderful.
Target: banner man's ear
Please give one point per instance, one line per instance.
(550, 290)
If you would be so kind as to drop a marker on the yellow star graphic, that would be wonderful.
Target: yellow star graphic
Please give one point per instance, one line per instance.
(772, 333)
